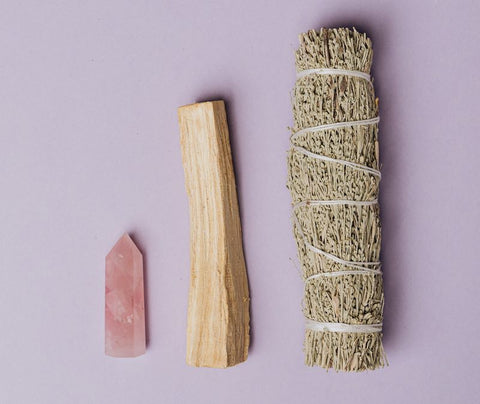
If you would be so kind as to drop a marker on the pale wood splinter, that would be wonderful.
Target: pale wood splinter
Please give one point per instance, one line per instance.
(218, 305)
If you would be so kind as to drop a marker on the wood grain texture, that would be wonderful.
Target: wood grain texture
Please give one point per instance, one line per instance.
(218, 306)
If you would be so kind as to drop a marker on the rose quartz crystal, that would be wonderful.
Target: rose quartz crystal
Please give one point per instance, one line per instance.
(124, 300)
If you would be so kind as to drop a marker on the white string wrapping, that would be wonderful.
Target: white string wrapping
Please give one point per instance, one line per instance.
(361, 268)
(344, 273)
(331, 72)
(350, 164)
(342, 327)
(335, 125)
(355, 166)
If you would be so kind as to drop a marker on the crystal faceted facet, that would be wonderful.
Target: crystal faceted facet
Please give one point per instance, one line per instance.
(124, 300)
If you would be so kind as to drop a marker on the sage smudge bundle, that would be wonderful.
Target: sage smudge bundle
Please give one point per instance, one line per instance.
(333, 177)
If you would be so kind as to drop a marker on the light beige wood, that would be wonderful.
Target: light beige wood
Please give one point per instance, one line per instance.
(218, 305)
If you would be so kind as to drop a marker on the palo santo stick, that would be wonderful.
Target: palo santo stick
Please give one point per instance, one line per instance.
(218, 304)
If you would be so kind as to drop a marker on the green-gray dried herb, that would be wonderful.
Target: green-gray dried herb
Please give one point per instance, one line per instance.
(347, 231)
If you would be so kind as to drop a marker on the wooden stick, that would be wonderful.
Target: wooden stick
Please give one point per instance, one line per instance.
(218, 305)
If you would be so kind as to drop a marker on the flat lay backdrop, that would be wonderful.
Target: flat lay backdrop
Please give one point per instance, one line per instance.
(89, 149)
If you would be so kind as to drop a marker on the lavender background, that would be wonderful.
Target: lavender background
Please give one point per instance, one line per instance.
(89, 148)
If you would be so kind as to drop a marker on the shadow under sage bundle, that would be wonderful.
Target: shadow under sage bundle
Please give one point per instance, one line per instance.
(333, 178)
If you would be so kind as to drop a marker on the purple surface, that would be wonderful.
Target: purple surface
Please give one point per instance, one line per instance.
(89, 148)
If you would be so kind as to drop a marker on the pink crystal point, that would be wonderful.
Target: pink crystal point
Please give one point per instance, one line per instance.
(124, 300)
